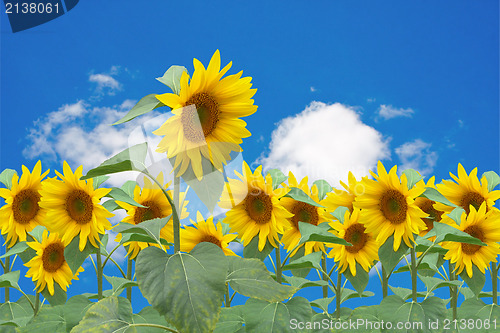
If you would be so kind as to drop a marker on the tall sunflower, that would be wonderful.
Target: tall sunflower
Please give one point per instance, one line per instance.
(481, 224)
(49, 264)
(157, 206)
(205, 231)
(206, 120)
(466, 192)
(22, 212)
(255, 207)
(302, 212)
(427, 206)
(364, 249)
(73, 207)
(338, 198)
(388, 207)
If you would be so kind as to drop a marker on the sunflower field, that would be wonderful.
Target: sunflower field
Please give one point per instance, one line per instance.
(297, 235)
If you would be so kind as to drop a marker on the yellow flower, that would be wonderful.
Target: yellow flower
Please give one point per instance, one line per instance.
(339, 198)
(427, 206)
(388, 207)
(481, 224)
(468, 191)
(49, 264)
(255, 207)
(205, 231)
(157, 206)
(302, 212)
(73, 207)
(364, 249)
(211, 127)
(22, 212)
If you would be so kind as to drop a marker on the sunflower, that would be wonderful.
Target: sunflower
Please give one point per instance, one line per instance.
(466, 192)
(157, 206)
(302, 212)
(388, 207)
(73, 207)
(340, 198)
(205, 231)
(21, 212)
(481, 224)
(427, 206)
(49, 264)
(364, 249)
(206, 117)
(255, 207)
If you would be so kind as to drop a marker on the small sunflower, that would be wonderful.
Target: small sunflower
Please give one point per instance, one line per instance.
(205, 231)
(157, 206)
(340, 198)
(302, 212)
(22, 212)
(206, 120)
(481, 224)
(49, 264)
(255, 207)
(73, 207)
(466, 192)
(364, 249)
(427, 206)
(388, 207)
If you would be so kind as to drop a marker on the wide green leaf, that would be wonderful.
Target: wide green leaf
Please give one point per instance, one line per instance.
(339, 213)
(10, 279)
(37, 233)
(98, 181)
(476, 282)
(434, 195)
(149, 315)
(434, 309)
(323, 303)
(149, 228)
(277, 177)
(412, 177)
(121, 195)
(492, 178)
(456, 215)
(74, 257)
(231, 320)
(252, 249)
(300, 282)
(74, 310)
(323, 188)
(432, 283)
(447, 233)
(118, 284)
(6, 177)
(172, 78)
(48, 319)
(388, 256)
(299, 272)
(59, 296)
(187, 288)
(349, 293)
(312, 260)
(146, 104)
(360, 280)
(129, 187)
(251, 278)
(312, 233)
(395, 310)
(299, 195)
(12, 315)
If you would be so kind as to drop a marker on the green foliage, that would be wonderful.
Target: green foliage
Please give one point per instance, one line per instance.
(312, 260)
(74, 257)
(300, 282)
(119, 284)
(149, 315)
(476, 282)
(299, 254)
(394, 309)
(59, 296)
(360, 281)
(492, 178)
(339, 213)
(322, 303)
(20, 247)
(149, 228)
(412, 177)
(447, 233)
(146, 104)
(434, 195)
(98, 181)
(172, 78)
(9, 280)
(312, 233)
(277, 177)
(349, 293)
(231, 320)
(14, 314)
(390, 258)
(6, 177)
(323, 188)
(121, 195)
(251, 250)
(299, 195)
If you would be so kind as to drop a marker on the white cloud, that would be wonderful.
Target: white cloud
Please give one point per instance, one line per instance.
(312, 89)
(106, 83)
(389, 112)
(417, 155)
(325, 141)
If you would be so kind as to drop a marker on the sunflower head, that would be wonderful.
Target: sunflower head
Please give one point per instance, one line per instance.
(22, 211)
(339, 198)
(206, 121)
(49, 264)
(427, 206)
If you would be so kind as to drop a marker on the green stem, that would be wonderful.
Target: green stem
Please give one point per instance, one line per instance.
(413, 275)
(494, 275)
(29, 301)
(109, 255)
(6, 270)
(177, 226)
(99, 273)
(385, 282)
(323, 266)
(37, 304)
(129, 277)
(278, 265)
(453, 290)
(339, 292)
(118, 266)
(12, 264)
(227, 303)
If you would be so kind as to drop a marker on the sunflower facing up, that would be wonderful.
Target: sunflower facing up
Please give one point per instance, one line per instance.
(302, 212)
(157, 206)
(49, 264)
(340, 198)
(388, 207)
(255, 207)
(483, 225)
(22, 212)
(427, 206)
(205, 231)
(206, 120)
(466, 192)
(73, 207)
(364, 249)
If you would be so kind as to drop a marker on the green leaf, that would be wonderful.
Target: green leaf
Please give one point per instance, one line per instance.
(48, 319)
(476, 283)
(111, 205)
(492, 178)
(97, 181)
(59, 296)
(16, 249)
(422, 244)
(278, 177)
(432, 283)
(312, 233)
(323, 303)
(360, 281)
(300, 282)
(172, 78)
(349, 293)
(74, 257)
(131, 159)
(250, 277)
(413, 177)
(456, 215)
(135, 237)
(405, 293)
(367, 313)
(104, 243)
(312, 260)
(299, 195)
(10, 279)
(262, 316)
(252, 249)
(120, 195)
(434, 195)
(187, 288)
(74, 310)
(14, 314)
(339, 213)
(447, 233)
(469, 308)
(491, 312)
(388, 257)
(118, 284)
(129, 187)
(434, 309)
(37, 233)
(299, 272)
(422, 267)
(150, 228)
(231, 320)
(394, 309)
(6, 177)
(146, 104)
(323, 188)
(149, 315)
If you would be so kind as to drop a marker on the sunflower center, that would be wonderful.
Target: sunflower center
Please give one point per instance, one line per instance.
(304, 212)
(258, 206)
(211, 239)
(206, 113)
(474, 231)
(394, 207)
(25, 206)
(79, 206)
(427, 206)
(152, 211)
(53, 257)
(471, 198)
(355, 235)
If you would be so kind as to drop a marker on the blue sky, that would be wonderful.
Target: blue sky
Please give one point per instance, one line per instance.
(340, 84)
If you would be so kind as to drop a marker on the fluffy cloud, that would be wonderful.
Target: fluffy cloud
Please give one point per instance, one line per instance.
(325, 141)
(106, 83)
(388, 112)
(417, 155)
